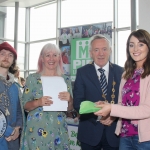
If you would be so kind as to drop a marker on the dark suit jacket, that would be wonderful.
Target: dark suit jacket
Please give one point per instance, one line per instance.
(87, 87)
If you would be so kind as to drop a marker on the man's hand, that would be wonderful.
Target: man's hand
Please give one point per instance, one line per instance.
(14, 135)
(108, 120)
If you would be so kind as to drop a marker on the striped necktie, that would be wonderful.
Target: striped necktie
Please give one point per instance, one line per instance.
(103, 81)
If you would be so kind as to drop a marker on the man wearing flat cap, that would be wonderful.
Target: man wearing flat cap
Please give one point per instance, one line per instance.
(10, 106)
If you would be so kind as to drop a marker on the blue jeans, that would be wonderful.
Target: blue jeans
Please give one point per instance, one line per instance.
(132, 143)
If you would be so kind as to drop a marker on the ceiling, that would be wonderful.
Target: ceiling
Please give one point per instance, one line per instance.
(23, 3)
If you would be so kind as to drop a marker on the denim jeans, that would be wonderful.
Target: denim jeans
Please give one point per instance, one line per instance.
(132, 143)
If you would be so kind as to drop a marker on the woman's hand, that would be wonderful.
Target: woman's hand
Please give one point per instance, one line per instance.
(45, 101)
(64, 96)
(14, 135)
(104, 111)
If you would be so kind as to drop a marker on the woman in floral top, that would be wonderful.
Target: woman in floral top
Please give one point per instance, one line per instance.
(46, 130)
(134, 95)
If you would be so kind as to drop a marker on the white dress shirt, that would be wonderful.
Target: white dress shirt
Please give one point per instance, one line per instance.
(106, 72)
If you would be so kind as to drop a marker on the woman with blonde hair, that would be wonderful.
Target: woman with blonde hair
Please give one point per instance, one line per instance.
(46, 129)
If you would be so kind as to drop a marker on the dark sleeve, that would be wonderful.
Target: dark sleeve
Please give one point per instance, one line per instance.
(78, 91)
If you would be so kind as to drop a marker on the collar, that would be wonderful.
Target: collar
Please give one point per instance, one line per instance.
(9, 76)
(106, 67)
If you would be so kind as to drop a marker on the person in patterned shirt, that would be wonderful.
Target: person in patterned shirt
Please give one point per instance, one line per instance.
(46, 130)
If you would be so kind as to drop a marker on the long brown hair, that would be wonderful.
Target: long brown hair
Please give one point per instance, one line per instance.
(12, 67)
(130, 65)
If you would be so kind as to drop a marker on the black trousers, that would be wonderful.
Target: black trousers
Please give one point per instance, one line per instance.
(102, 145)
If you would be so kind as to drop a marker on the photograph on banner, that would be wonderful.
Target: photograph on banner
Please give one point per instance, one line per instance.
(65, 50)
(67, 34)
(104, 29)
(77, 32)
(70, 35)
(101, 28)
(63, 37)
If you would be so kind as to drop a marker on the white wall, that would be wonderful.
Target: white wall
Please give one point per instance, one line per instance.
(144, 15)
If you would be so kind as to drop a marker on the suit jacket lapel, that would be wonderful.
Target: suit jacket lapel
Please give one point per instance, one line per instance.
(110, 81)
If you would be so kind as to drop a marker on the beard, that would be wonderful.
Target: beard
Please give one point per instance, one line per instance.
(5, 64)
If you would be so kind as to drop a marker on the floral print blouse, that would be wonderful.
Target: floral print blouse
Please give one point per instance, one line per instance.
(44, 130)
(131, 97)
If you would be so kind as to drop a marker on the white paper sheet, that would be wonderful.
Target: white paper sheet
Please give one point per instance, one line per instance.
(52, 86)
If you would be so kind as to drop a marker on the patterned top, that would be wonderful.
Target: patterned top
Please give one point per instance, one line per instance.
(44, 130)
(131, 97)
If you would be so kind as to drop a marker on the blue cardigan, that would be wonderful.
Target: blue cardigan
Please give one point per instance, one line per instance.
(14, 119)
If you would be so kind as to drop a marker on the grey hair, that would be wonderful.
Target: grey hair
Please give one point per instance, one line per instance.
(98, 36)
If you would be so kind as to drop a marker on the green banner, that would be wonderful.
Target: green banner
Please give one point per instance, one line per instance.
(80, 55)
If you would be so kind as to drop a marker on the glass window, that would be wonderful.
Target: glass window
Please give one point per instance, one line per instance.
(21, 52)
(9, 24)
(2, 18)
(43, 22)
(122, 39)
(9, 27)
(21, 24)
(124, 13)
(35, 50)
(80, 12)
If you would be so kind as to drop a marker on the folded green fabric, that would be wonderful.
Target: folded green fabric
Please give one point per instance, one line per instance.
(88, 107)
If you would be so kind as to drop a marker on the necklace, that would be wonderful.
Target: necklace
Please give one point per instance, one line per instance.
(4, 99)
(5, 102)
(112, 95)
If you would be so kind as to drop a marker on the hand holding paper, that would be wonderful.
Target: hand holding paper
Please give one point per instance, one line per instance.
(64, 96)
(45, 101)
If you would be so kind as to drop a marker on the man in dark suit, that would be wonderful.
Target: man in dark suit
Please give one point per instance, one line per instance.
(95, 133)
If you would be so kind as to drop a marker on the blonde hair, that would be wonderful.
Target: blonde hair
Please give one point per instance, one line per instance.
(54, 48)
